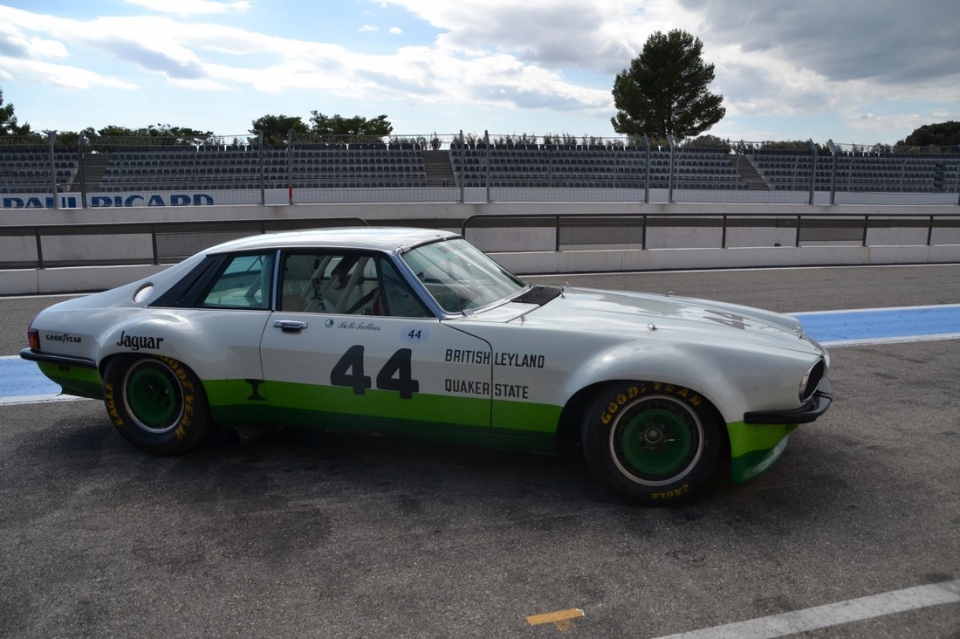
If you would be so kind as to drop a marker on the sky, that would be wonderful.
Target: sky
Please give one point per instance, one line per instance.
(851, 71)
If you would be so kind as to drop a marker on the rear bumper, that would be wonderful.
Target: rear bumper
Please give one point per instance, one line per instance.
(44, 358)
(75, 375)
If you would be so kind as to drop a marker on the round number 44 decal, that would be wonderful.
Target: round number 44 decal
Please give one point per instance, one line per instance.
(415, 334)
(396, 374)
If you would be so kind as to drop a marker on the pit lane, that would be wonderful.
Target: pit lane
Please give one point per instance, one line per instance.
(310, 534)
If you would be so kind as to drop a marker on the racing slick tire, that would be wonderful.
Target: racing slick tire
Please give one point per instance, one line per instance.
(654, 443)
(156, 403)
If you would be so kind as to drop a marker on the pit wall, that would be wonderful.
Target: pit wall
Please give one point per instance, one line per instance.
(523, 250)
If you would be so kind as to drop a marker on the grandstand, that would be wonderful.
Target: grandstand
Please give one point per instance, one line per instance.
(32, 170)
(237, 167)
(144, 166)
(785, 170)
(589, 166)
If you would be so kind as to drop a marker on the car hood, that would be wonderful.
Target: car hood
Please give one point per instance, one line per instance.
(636, 314)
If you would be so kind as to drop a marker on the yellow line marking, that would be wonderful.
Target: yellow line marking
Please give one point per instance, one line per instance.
(561, 618)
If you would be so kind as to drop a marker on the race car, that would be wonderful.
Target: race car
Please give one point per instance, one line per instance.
(416, 332)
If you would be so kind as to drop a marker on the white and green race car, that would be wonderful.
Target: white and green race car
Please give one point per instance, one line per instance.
(416, 332)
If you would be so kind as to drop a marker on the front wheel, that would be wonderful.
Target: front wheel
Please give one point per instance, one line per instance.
(157, 404)
(654, 443)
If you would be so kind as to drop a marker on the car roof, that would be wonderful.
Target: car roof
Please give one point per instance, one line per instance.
(382, 238)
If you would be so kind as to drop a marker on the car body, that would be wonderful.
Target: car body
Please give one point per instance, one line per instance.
(416, 332)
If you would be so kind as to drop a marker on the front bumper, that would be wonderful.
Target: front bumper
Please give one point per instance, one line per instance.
(757, 441)
(816, 406)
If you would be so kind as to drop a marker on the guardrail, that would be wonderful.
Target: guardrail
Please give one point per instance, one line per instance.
(629, 228)
(160, 252)
(56, 258)
(168, 242)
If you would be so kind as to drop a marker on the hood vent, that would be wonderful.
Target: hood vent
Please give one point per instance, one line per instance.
(539, 295)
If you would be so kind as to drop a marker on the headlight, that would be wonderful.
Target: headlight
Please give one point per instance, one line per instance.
(810, 381)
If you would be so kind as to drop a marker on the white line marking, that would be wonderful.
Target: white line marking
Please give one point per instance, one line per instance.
(903, 339)
(880, 309)
(746, 269)
(789, 623)
(44, 296)
(13, 400)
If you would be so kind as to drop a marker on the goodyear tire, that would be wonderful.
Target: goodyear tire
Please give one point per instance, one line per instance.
(654, 443)
(157, 404)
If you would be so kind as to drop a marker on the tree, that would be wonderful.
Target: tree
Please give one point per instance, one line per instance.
(276, 127)
(665, 90)
(178, 134)
(356, 126)
(943, 134)
(8, 121)
(116, 131)
(69, 139)
(708, 142)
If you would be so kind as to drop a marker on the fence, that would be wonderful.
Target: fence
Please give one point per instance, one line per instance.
(51, 246)
(698, 230)
(245, 169)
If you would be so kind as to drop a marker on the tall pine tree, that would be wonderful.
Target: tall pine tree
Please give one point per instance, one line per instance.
(665, 90)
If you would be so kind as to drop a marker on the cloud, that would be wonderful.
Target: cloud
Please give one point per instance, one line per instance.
(182, 67)
(887, 41)
(602, 35)
(850, 59)
(14, 43)
(60, 75)
(192, 7)
(182, 52)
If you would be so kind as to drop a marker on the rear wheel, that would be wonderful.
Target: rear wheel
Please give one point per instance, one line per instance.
(157, 404)
(653, 442)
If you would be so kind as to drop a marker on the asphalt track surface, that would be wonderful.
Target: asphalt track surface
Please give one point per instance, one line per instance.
(306, 534)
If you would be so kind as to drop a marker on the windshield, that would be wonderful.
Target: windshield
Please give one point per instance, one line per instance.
(459, 276)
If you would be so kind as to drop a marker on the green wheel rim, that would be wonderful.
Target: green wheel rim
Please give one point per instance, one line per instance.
(657, 440)
(153, 396)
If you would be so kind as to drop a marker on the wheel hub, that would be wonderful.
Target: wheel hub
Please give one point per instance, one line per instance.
(656, 441)
(151, 397)
(652, 436)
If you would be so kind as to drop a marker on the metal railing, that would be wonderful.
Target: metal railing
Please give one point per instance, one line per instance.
(167, 243)
(628, 229)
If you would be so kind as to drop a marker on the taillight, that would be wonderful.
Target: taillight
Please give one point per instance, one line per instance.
(33, 339)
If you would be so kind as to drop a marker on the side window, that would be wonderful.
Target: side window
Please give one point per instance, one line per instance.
(246, 282)
(345, 283)
(319, 282)
(399, 300)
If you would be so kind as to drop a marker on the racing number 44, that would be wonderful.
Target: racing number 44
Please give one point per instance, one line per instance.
(396, 374)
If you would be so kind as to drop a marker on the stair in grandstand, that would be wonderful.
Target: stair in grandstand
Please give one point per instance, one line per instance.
(438, 168)
(749, 175)
(94, 166)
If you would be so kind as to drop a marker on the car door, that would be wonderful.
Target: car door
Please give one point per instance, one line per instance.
(352, 347)
(217, 326)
